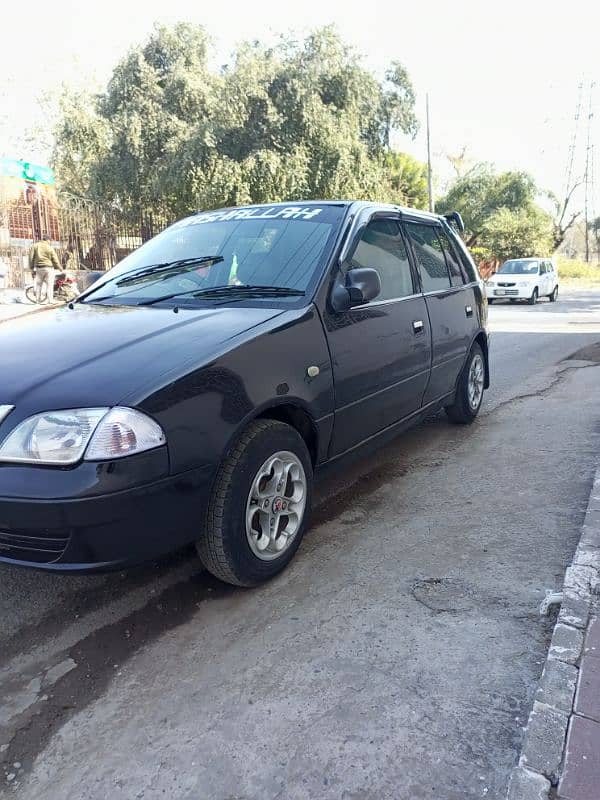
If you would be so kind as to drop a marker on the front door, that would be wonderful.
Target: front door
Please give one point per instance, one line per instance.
(381, 351)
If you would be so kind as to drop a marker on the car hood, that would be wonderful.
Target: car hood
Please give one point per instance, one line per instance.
(94, 355)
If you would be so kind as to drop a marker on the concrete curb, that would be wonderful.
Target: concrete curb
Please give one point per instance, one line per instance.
(542, 755)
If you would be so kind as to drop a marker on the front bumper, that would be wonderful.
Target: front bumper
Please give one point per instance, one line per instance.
(101, 530)
(509, 293)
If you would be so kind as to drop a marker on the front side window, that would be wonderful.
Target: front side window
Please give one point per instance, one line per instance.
(382, 247)
(277, 247)
(430, 256)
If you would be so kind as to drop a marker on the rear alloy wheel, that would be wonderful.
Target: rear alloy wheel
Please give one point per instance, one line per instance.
(552, 297)
(259, 507)
(534, 297)
(469, 390)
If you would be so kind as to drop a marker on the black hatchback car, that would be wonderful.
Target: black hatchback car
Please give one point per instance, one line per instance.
(193, 391)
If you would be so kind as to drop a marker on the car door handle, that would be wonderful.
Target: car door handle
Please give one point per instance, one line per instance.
(418, 326)
(469, 311)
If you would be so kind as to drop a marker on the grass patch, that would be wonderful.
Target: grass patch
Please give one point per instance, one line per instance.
(571, 270)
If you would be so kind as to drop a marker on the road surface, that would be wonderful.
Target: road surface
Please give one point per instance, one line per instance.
(396, 657)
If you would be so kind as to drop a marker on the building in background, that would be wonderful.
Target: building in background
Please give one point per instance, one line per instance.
(27, 201)
(28, 210)
(89, 237)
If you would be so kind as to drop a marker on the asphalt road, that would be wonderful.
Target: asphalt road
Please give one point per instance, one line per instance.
(395, 658)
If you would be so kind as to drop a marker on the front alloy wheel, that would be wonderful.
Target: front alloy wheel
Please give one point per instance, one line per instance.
(275, 506)
(259, 507)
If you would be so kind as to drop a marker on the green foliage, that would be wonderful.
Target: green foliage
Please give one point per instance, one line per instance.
(482, 192)
(501, 216)
(518, 233)
(573, 270)
(408, 180)
(303, 119)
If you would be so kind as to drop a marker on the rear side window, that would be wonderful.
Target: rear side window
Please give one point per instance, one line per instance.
(430, 256)
(382, 247)
(468, 265)
(456, 274)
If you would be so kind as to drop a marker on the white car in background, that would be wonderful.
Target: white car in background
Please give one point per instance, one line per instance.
(524, 279)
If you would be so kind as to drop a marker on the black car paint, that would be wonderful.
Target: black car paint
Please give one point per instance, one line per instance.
(203, 374)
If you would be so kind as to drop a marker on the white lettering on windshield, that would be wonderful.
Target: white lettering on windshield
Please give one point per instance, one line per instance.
(261, 212)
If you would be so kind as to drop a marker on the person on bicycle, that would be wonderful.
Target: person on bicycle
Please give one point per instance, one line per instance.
(42, 262)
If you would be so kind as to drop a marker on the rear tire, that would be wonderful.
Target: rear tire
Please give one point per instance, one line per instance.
(469, 389)
(232, 546)
(30, 294)
(534, 297)
(552, 297)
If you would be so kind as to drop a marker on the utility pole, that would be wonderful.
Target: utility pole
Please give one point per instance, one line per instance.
(587, 176)
(429, 179)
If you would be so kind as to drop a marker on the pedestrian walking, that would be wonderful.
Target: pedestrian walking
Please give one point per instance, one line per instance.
(42, 262)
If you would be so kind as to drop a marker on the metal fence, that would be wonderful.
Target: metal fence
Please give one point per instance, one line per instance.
(88, 236)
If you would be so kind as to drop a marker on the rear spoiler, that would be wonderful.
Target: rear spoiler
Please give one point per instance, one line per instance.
(456, 218)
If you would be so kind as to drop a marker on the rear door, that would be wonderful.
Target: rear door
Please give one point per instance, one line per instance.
(450, 303)
(380, 351)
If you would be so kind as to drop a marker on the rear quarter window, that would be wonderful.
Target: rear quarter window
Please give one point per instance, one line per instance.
(466, 260)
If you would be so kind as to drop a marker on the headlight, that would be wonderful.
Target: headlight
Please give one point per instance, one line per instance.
(96, 434)
(523, 283)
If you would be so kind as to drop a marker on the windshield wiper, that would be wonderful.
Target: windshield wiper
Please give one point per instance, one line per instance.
(167, 268)
(234, 292)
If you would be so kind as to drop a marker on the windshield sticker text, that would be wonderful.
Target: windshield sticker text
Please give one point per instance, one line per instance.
(262, 212)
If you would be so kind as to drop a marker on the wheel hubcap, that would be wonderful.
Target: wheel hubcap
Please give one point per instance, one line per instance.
(476, 380)
(275, 506)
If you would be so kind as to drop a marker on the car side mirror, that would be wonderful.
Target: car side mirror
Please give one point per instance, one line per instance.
(361, 286)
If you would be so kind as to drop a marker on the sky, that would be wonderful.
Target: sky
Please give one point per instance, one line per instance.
(502, 77)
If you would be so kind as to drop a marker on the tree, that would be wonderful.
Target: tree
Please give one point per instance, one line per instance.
(408, 180)
(460, 162)
(482, 192)
(562, 222)
(595, 228)
(299, 119)
(518, 233)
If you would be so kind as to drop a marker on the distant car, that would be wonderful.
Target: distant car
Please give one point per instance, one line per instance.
(199, 384)
(524, 279)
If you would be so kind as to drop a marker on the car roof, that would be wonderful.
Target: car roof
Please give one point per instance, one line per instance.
(353, 205)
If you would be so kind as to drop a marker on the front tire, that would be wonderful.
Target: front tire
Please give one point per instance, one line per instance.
(249, 537)
(534, 297)
(490, 301)
(469, 390)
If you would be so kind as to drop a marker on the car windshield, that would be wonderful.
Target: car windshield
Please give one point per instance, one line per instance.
(519, 267)
(278, 249)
